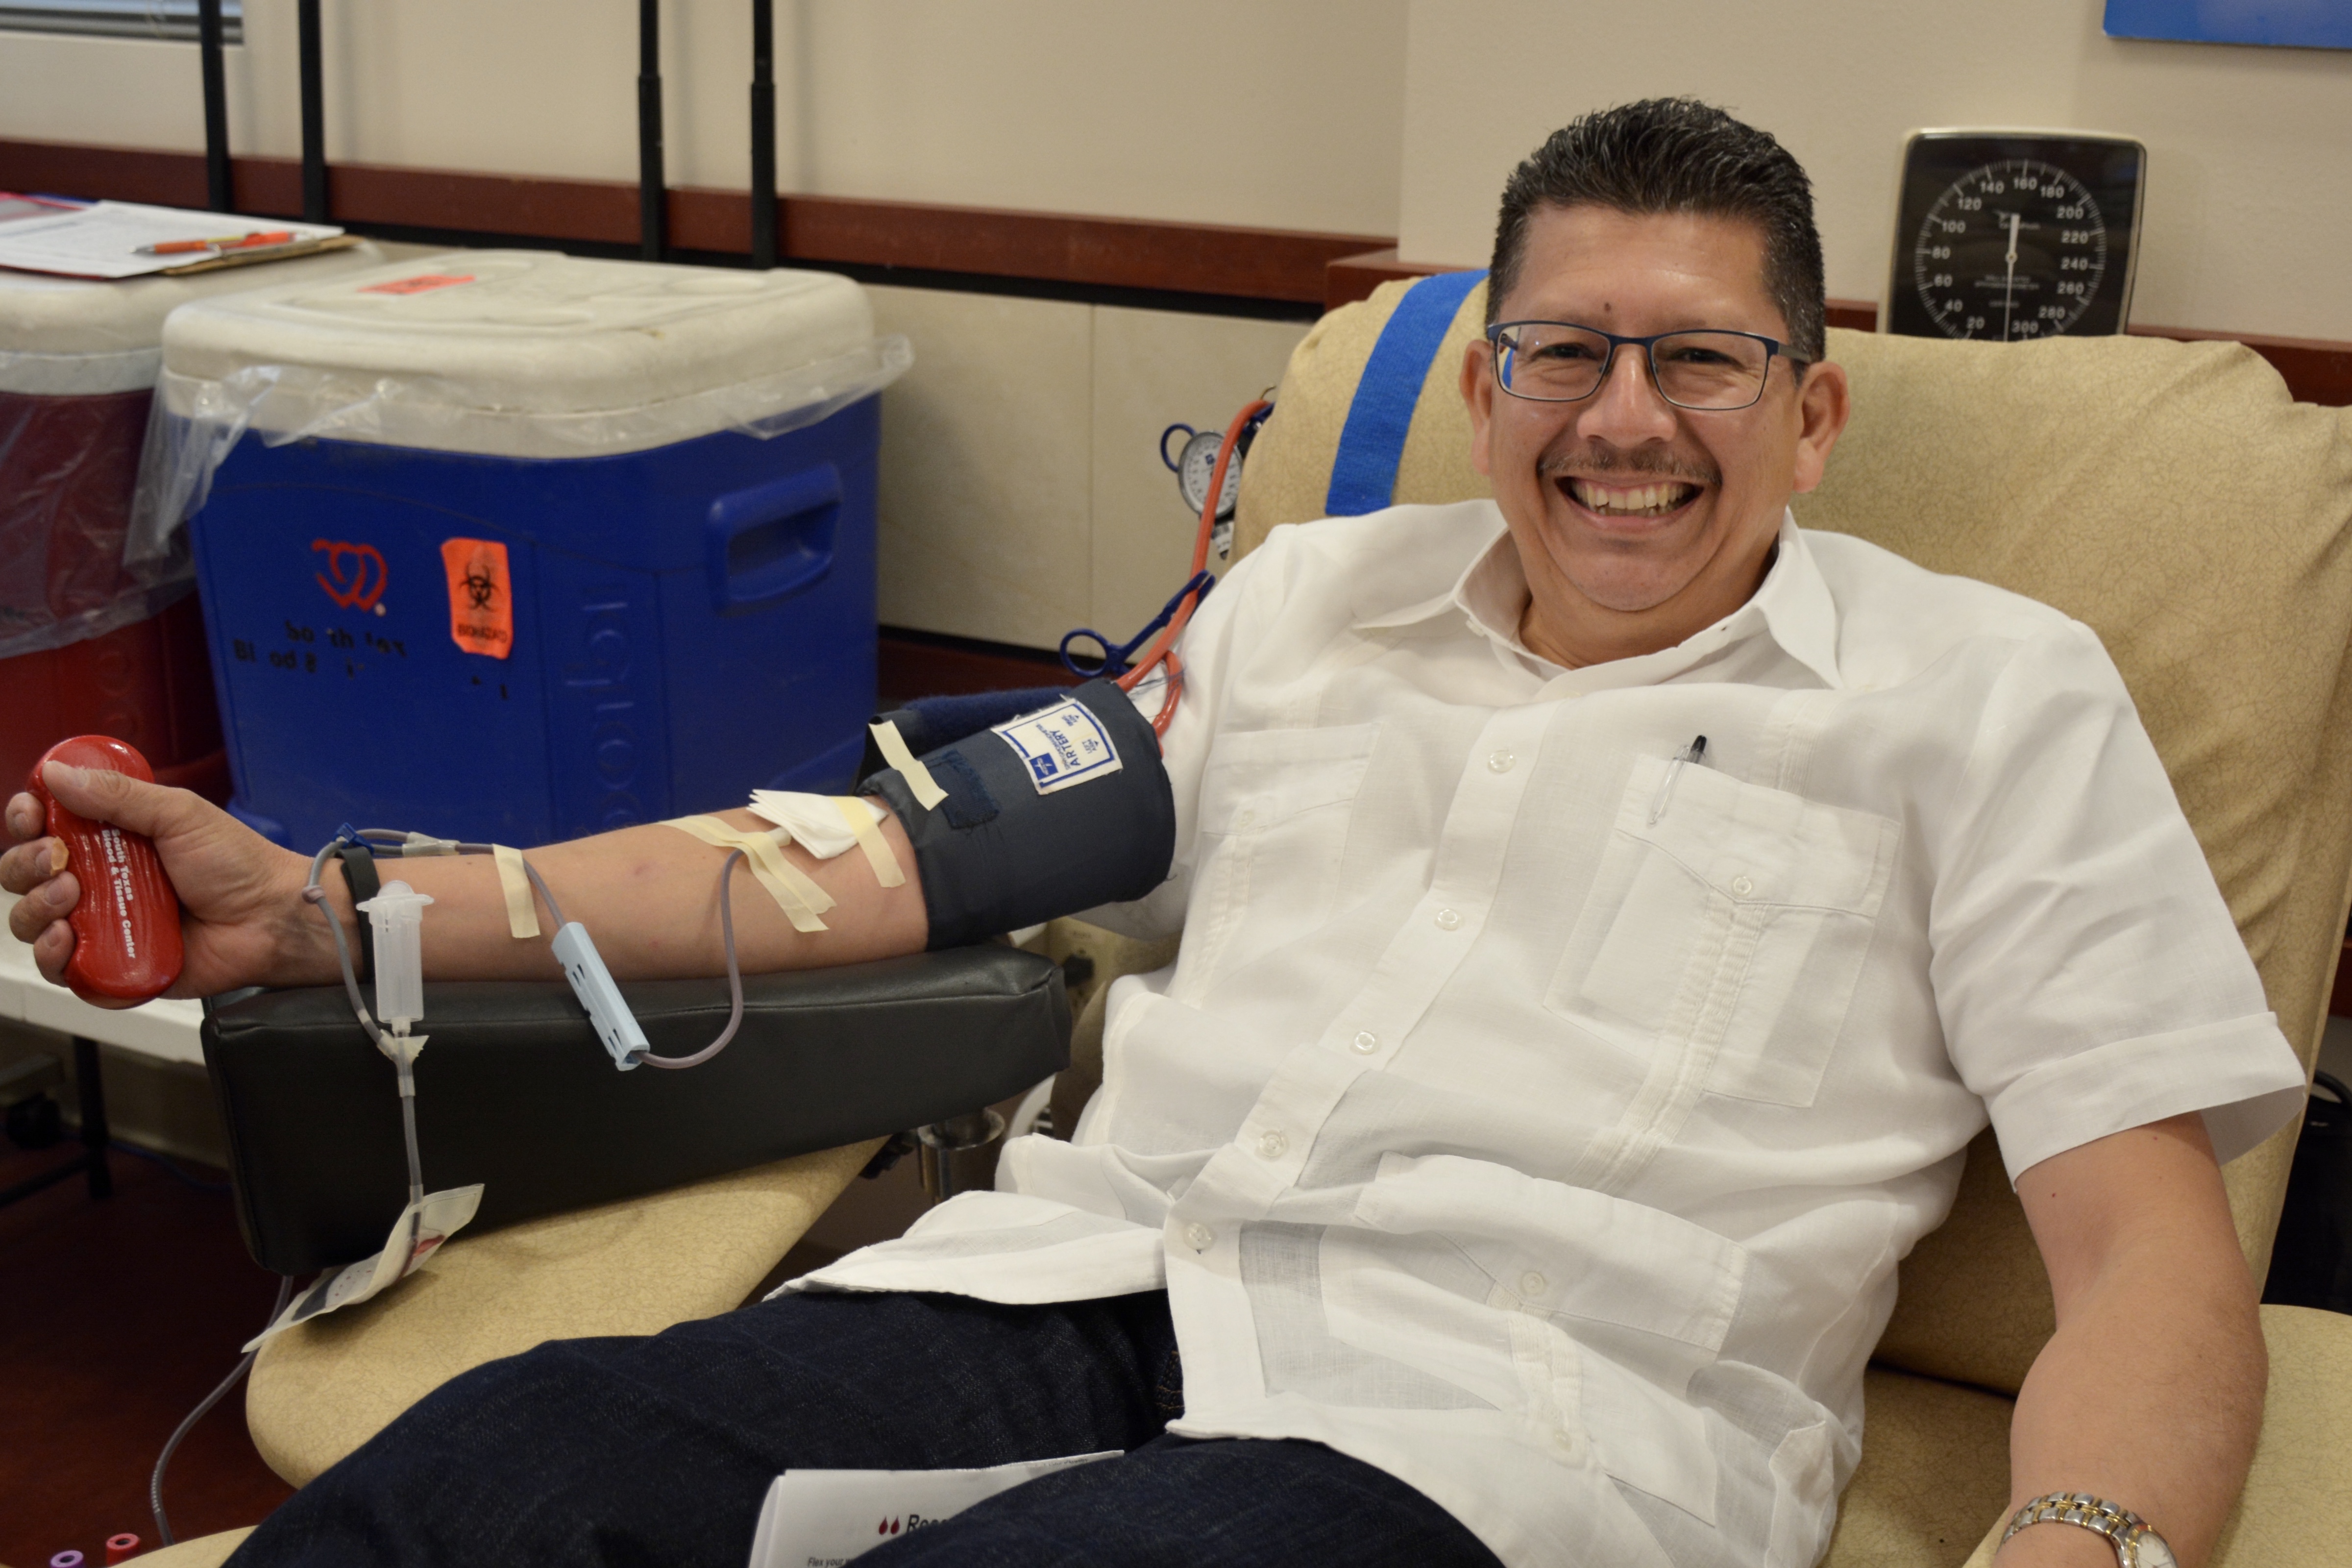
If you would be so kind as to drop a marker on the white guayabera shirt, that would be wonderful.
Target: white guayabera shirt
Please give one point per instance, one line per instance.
(1542, 1121)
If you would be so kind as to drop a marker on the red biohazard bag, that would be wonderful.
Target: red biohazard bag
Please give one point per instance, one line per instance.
(127, 926)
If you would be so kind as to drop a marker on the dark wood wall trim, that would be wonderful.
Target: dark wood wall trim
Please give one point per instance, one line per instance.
(1281, 266)
(1121, 253)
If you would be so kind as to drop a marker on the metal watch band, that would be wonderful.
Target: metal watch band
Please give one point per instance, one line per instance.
(2136, 1545)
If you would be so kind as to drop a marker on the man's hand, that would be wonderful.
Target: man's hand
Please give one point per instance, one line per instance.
(241, 912)
(2150, 1393)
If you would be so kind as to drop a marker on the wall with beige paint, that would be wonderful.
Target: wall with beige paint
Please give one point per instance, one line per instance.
(1277, 114)
(1022, 493)
(2250, 150)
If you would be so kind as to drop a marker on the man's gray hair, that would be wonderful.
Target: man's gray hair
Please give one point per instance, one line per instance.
(1675, 155)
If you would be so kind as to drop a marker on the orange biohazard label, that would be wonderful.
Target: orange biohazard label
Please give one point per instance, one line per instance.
(481, 596)
(419, 284)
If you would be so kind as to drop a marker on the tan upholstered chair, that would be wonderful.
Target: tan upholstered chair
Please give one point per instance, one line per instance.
(2170, 496)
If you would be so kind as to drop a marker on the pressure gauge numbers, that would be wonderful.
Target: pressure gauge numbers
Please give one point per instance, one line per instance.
(2010, 250)
(2013, 235)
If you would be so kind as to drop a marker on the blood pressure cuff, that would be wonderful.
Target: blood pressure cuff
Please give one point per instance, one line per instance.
(514, 1091)
(1047, 813)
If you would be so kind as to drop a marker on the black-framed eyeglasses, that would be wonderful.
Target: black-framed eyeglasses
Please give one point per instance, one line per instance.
(1559, 362)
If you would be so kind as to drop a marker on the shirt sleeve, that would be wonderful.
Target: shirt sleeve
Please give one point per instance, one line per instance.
(2089, 976)
(1242, 597)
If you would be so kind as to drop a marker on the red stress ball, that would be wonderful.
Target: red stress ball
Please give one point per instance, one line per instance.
(127, 926)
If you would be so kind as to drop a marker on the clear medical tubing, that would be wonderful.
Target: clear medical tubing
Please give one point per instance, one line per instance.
(391, 841)
(155, 1481)
(196, 422)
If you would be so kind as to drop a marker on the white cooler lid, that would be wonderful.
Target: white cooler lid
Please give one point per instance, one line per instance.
(77, 336)
(517, 352)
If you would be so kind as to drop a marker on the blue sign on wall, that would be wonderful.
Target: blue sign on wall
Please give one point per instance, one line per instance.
(2304, 24)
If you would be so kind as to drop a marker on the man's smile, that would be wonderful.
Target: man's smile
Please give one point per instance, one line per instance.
(1616, 498)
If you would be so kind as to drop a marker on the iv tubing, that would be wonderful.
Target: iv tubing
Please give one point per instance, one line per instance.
(374, 838)
(155, 1481)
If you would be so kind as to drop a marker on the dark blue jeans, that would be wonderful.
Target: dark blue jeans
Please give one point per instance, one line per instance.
(657, 1451)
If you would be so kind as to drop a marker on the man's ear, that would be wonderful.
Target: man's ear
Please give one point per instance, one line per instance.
(1824, 405)
(1478, 396)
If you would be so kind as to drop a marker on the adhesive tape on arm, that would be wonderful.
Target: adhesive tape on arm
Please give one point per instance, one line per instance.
(893, 745)
(859, 814)
(801, 899)
(522, 910)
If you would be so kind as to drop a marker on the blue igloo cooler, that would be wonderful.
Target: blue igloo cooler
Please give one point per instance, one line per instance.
(515, 546)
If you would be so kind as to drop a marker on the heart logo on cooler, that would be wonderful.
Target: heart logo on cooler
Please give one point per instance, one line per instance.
(357, 571)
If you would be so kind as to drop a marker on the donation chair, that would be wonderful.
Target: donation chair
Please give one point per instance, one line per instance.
(2170, 496)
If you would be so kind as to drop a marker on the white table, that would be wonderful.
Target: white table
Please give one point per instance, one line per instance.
(164, 1030)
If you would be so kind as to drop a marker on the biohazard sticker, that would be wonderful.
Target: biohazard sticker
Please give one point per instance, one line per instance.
(1061, 746)
(481, 596)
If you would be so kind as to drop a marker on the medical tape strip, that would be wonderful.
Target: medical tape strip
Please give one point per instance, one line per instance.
(523, 910)
(920, 782)
(801, 899)
(879, 854)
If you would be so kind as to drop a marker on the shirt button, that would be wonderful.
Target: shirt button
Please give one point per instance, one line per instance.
(1243, 818)
(1199, 1236)
(1532, 1284)
(1742, 886)
(1447, 920)
(1500, 763)
(1273, 1145)
(1366, 1041)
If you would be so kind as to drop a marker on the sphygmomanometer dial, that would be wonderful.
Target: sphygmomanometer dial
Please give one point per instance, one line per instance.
(2009, 250)
(2007, 237)
(1197, 463)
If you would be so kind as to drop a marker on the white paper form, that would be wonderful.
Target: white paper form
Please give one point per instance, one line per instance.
(821, 1518)
(104, 239)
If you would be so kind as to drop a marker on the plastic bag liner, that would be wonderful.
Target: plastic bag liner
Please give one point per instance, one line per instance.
(197, 421)
(66, 464)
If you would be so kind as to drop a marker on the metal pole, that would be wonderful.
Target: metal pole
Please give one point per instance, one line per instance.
(763, 133)
(651, 198)
(89, 1089)
(217, 194)
(314, 116)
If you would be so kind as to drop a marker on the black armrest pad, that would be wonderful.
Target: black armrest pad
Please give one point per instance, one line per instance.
(514, 1091)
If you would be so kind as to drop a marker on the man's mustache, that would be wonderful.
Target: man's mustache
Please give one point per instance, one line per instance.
(1592, 459)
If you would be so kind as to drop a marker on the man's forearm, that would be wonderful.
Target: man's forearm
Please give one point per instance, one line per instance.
(649, 898)
(2150, 1393)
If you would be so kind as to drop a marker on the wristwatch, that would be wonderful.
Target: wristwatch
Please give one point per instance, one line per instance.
(2137, 1545)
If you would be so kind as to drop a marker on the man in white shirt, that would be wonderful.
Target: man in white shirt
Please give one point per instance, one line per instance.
(1608, 913)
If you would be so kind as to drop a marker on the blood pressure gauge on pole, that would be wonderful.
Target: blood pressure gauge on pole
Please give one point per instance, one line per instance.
(2012, 236)
(1194, 465)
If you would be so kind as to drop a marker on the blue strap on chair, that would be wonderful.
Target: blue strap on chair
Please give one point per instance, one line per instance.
(1364, 470)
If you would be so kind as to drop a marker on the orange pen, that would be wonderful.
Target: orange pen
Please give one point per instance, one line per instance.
(226, 242)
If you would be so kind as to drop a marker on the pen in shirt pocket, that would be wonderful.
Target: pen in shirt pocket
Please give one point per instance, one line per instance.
(1695, 752)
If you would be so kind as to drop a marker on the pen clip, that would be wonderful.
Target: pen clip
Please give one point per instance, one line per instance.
(1693, 752)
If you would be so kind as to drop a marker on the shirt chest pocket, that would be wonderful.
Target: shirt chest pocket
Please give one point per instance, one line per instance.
(1275, 811)
(1727, 921)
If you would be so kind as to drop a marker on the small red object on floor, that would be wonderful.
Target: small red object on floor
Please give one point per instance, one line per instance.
(120, 1548)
